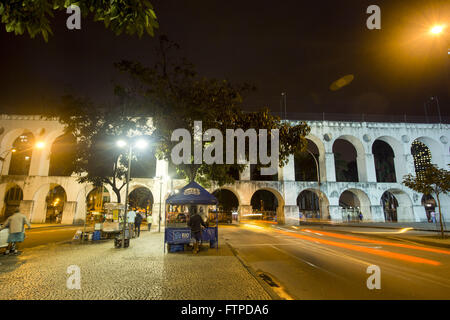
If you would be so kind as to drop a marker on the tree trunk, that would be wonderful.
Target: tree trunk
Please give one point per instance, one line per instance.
(440, 216)
(117, 192)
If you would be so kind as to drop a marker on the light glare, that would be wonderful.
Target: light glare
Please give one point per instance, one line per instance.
(437, 29)
(121, 143)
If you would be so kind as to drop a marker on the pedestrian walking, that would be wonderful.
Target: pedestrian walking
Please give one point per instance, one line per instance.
(16, 224)
(348, 217)
(149, 221)
(360, 216)
(137, 224)
(195, 223)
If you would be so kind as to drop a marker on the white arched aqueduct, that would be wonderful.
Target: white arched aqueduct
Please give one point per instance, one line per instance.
(360, 191)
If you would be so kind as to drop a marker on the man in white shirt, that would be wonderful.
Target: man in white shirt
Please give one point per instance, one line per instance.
(131, 215)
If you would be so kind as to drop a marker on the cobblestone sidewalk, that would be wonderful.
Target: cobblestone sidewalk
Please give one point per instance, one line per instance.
(141, 271)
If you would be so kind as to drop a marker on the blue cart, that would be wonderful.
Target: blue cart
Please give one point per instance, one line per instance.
(179, 206)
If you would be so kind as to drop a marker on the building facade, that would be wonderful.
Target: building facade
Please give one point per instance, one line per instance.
(360, 167)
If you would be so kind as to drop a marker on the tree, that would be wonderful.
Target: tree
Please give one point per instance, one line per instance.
(98, 160)
(175, 96)
(33, 16)
(431, 180)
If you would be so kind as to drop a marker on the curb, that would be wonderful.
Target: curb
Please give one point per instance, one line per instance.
(250, 270)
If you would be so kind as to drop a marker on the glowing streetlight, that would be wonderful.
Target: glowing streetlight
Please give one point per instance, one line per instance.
(121, 143)
(40, 145)
(141, 144)
(437, 30)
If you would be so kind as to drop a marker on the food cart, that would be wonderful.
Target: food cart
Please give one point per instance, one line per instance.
(4, 238)
(179, 205)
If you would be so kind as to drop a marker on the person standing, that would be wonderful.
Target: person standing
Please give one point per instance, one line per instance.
(137, 224)
(195, 223)
(149, 221)
(433, 216)
(131, 215)
(16, 224)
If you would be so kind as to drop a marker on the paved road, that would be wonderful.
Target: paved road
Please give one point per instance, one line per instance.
(47, 235)
(315, 263)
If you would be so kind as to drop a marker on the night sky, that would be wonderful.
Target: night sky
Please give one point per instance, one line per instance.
(299, 47)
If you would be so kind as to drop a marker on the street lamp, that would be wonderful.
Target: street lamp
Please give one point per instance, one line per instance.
(141, 144)
(161, 179)
(318, 180)
(437, 30)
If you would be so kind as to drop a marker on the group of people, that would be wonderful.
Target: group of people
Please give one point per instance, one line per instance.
(135, 218)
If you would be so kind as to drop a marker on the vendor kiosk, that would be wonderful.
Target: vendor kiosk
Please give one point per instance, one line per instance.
(179, 206)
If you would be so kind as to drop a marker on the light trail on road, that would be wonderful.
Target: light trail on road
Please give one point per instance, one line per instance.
(346, 237)
(383, 253)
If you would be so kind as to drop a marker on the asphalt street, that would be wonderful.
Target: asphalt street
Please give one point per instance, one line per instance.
(47, 235)
(326, 263)
(306, 262)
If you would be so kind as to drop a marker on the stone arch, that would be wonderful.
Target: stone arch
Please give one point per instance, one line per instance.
(280, 217)
(228, 203)
(360, 203)
(61, 155)
(305, 163)
(399, 155)
(320, 202)
(236, 194)
(21, 154)
(359, 158)
(384, 160)
(141, 197)
(435, 150)
(400, 203)
(40, 199)
(55, 204)
(81, 211)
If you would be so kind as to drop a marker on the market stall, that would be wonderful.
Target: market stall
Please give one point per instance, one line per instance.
(179, 206)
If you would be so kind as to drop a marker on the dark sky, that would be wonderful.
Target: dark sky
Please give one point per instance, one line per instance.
(300, 47)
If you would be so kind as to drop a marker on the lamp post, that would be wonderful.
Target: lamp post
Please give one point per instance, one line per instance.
(318, 180)
(161, 181)
(141, 144)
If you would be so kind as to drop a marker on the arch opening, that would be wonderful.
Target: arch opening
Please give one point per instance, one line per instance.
(55, 200)
(345, 161)
(62, 156)
(304, 164)
(228, 205)
(308, 204)
(397, 206)
(141, 199)
(265, 206)
(21, 152)
(384, 161)
(421, 155)
(95, 203)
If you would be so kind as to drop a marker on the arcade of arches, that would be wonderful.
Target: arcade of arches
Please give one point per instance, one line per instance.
(360, 167)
